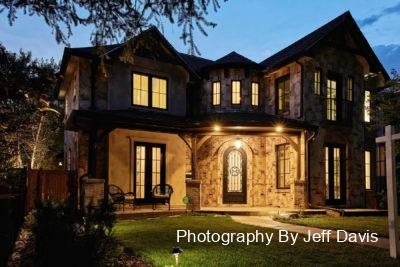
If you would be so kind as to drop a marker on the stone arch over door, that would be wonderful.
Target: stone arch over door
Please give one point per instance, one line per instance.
(218, 157)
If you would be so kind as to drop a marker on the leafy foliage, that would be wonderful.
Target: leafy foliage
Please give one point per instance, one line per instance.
(66, 237)
(30, 121)
(116, 21)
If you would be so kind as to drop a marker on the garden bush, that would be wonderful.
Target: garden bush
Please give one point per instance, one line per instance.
(66, 237)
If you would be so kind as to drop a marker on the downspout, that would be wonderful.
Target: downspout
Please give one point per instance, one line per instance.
(301, 88)
(307, 152)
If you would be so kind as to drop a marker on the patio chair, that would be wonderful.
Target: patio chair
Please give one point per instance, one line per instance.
(119, 197)
(162, 192)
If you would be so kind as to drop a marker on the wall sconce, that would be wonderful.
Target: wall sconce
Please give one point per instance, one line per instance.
(238, 144)
(278, 128)
(217, 128)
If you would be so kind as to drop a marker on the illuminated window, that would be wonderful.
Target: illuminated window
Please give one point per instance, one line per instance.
(333, 173)
(254, 94)
(331, 103)
(283, 89)
(149, 91)
(350, 89)
(140, 90)
(317, 82)
(140, 171)
(216, 93)
(235, 92)
(367, 106)
(367, 170)
(156, 165)
(159, 93)
(283, 166)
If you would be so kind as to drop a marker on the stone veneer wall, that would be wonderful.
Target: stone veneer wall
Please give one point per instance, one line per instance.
(261, 172)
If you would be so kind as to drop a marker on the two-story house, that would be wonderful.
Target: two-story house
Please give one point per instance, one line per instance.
(289, 131)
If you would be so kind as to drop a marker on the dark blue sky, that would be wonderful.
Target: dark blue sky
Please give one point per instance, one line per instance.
(254, 28)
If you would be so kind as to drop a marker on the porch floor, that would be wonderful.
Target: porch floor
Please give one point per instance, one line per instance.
(261, 211)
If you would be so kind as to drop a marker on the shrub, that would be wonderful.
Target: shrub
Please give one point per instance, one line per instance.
(65, 237)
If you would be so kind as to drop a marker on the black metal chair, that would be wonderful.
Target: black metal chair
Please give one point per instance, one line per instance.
(162, 192)
(119, 197)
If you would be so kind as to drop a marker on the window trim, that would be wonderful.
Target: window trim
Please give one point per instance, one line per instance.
(277, 167)
(212, 93)
(150, 90)
(240, 92)
(258, 93)
(277, 80)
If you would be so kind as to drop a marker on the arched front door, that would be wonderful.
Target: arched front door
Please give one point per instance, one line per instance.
(234, 182)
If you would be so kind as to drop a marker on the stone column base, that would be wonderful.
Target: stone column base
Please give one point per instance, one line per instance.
(193, 192)
(300, 194)
(93, 191)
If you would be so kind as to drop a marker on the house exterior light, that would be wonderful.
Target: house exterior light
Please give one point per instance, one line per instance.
(279, 128)
(217, 128)
(238, 144)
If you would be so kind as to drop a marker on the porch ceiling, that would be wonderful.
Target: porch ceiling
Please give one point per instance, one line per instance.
(250, 123)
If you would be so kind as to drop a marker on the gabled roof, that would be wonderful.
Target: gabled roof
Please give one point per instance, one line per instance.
(197, 63)
(305, 44)
(234, 59)
(91, 52)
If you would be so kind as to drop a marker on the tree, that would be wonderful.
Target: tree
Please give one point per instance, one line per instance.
(30, 121)
(117, 20)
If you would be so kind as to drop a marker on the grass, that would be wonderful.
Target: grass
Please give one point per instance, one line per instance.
(359, 224)
(153, 238)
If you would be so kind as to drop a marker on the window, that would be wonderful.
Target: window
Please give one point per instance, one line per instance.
(317, 82)
(283, 166)
(283, 88)
(367, 105)
(140, 90)
(235, 92)
(350, 89)
(142, 96)
(140, 171)
(331, 101)
(368, 170)
(254, 94)
(216, 93)
(159, 93)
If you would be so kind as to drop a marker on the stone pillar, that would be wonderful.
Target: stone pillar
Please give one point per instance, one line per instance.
(93, 191)
(193, 192)
(300, 194)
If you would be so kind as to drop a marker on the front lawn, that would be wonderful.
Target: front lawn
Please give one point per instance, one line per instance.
(377, 224)
(153, 238)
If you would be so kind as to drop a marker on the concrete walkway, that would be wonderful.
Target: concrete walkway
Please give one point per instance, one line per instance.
(265, 221)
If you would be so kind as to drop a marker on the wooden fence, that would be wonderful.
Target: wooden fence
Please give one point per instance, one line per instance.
(51, 185)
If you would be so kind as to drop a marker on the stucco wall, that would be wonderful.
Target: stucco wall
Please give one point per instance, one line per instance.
(120, 169)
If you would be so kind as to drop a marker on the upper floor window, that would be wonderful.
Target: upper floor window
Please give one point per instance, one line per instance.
(236, 92)
(367, 106)
(317, 82)
(159, 93)
(283, 90)
(142, 96)
(331, 100)
(140, 89)
(350, 89)
(283, 166)
(254, 93)
(367, 170)
(216, 93)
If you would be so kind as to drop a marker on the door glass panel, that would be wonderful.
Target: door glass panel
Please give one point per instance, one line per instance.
(327, 172)
(140, 171)
(336, 172)
(235, 171)
(156, 165)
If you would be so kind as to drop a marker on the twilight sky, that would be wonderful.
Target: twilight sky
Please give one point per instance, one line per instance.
(253, 28)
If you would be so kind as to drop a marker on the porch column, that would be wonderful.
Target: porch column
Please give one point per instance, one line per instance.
(194, 158)
(300, 188)
(193, 185)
